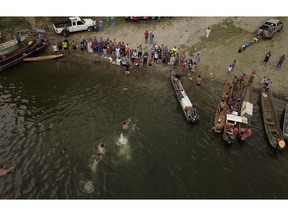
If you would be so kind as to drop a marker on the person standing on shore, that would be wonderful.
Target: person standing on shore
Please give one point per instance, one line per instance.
(197, 59)
(230, 68)
(198, 81)
(207, 33)
(146, 35)
(280, 62)
(112, 20)
(233, 64)
(100, 22)
(151, 37)
(267, 57)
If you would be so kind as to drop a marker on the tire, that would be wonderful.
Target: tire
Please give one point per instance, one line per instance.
(280, 29)
(63, 33)
(90, 29)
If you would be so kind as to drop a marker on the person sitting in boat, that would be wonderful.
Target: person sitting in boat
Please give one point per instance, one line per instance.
(194, 111)
(126, 125)
(268, 86)
(235, 132)
(222, 106)
(18, 39)
(245, 133)
(230, 102)
(177, 76)
(190, 114)
(229, 129)
(218, 127)
(180, 94)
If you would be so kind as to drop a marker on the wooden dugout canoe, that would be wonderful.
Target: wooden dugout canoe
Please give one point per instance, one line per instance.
(270, 120)
(285, 124)
(42, 58)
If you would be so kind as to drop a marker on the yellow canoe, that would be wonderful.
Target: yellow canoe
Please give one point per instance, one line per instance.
(42, 58)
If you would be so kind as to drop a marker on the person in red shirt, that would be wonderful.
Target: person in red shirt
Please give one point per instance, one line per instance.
(146, 35)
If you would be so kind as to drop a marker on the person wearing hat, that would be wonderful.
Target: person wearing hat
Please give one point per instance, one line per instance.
(222, 106)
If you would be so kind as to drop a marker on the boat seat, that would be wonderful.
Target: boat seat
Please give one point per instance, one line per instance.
(270, 123)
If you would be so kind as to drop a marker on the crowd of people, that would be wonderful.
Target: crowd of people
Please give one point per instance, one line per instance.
(142, 55)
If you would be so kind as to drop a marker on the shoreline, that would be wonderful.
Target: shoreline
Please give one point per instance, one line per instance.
(217, 51)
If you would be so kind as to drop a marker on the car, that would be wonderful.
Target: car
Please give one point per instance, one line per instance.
(269, 28)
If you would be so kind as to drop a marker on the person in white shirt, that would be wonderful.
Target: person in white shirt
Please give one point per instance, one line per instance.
(208, 30)
(230, 68)
(55, 48)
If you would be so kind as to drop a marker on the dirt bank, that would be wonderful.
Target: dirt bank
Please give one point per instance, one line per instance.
(217, 52)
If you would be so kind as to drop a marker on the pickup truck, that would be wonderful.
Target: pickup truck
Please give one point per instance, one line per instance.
(269, 28)
(73, 24)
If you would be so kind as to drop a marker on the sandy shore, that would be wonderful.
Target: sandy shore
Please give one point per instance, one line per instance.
(217, 52)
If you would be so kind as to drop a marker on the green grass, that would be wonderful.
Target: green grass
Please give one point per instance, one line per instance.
(18, 23)
(221, 34)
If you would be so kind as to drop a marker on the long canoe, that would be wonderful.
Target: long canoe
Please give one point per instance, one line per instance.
(227, 89)
(247, 110)
(221, 118)
(18, 58)
(10, 43)
(232, 116)
(42, 58)
(183, 99)
(285, 124)
(270, 120)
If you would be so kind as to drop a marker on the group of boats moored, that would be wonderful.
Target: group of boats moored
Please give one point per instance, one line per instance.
(22, 49)
(235, 110)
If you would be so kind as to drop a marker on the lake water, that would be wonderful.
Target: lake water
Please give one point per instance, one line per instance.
(55, 113)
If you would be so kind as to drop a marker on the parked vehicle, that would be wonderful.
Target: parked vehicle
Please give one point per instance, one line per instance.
(269, 28)
(72, 24)
(138, 18)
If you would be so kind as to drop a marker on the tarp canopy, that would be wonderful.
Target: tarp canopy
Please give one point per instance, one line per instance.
(234, 118)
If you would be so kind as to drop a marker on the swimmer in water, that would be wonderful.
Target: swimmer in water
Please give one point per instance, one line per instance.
(126, 125)
(101, 152)
(5, 170)
(125, 88)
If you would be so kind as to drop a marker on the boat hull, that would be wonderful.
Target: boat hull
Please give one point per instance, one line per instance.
(43, 58)
(270, 121)
(183, 100)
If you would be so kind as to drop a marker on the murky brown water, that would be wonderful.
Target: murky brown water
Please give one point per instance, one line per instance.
(54, 114)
